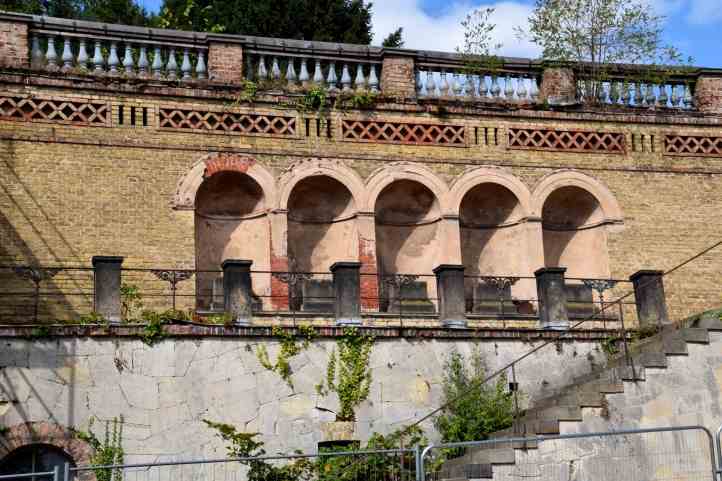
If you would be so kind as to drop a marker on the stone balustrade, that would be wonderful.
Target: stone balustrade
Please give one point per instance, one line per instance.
(494, 87)
(626, 93)
(290, 71)
(107, 55)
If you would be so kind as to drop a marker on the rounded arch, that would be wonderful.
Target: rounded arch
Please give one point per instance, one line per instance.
(50, 434)
(188, 185)
(611, 209)
(489, 175)
(314, 167)
(384, 176)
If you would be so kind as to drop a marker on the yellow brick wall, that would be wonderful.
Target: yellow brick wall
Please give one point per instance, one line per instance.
(69, 192)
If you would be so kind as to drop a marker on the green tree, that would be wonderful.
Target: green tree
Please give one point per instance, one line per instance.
(324, 20)
(474, 409)
(127, 12)
(395, 39)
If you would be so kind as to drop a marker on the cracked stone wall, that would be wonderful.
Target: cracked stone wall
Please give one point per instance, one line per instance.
(165, 391)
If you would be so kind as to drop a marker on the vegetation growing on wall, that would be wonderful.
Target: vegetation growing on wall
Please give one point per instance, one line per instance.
(289, 348)
(348, 373)
(109, 451)
(474, 409)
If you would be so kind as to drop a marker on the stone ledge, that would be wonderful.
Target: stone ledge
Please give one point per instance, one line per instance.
(196, 331)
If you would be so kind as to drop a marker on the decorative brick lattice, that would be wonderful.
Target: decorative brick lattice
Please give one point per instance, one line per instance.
(564, 140)
(698, 145)
(46, 110)
(240, 123)
(402, 133)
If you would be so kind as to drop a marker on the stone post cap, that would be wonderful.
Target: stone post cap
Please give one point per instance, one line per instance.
(645, 273)
(107, 260)
(550, 270)
(236, 263)
(447, 267)
(344, 264)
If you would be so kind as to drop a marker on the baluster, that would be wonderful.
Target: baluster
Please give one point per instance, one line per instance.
(521, 91)
(495, 88)
(143, 63)
(651, 96)
(359, 82)
(262, 73)
(113, 60)
(456, 84)
(534, 89)
(508, 89)
(614, 92)
(663, 97)
(157, 66)
(331, 79)
(98, 60)
(317, 73)
(67, 57)
(345, 78)
(487, 86)
(36, 54)
(443, 85)
(373, 79)
(474, 83)
(304, 77)
(419, 83)
(201, 71)
(51, 56)
(128, 59)
(638, 97)
(675, 96)
(82, 55)
(291, 73)
(626, 94)
(601, 92)
(171, 67)
(186, 65)
(275, 69)
(430, 84)
(688, 101)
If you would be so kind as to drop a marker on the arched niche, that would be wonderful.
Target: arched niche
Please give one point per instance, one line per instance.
(322, 230)
(574, 230)
(407, 216)
(494, 242)
(230, 223)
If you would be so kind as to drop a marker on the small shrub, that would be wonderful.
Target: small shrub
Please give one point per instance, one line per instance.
(107, 452)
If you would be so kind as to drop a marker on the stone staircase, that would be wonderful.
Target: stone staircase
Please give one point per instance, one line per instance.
(545, 415)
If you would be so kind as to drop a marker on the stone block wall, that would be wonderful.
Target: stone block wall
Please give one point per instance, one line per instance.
(14, 45)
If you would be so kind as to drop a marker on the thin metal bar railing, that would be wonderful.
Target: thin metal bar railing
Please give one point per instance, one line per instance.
(55, 473)
(524, 441)
(718, 445)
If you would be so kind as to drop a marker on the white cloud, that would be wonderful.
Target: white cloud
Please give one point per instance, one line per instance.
(444, 32)
(695, 12)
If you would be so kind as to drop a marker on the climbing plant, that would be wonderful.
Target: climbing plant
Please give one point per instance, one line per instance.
(348, 373)
(289, 348)
(109, 451)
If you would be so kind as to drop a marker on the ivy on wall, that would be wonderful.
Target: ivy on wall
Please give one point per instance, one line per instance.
(289, 349)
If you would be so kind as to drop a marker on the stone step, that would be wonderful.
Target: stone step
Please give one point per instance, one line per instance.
(695, 335)
(560, 413)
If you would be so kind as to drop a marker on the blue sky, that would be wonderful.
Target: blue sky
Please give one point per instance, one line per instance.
(692, 25)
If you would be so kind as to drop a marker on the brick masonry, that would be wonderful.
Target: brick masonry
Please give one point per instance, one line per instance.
(13, 45)
(558, 86)
(225, 62)
(397, 77)
(708, 95)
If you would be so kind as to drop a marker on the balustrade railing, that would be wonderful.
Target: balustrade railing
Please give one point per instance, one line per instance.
(290, 71)
(629, 93)
(501, 296)
(475, 84)
(117, 56)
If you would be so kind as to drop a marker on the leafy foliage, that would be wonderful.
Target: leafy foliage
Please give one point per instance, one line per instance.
(325, 20)
(92, 318)
(348, 373)
(127, 12)
(130, 300)
(395, 39)
(108, 452)
(475, 409)
(289, 348)
(479, 51)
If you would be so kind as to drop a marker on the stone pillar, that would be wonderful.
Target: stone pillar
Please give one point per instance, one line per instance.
(238, 290)
(14, 44)
(649, 297)
(367, 257)
(552, 298)
(106, 273)
(450, 289)
(225, 62)
(347, 292)
(450, 240)
(279, 258)
(708, 94)
(559, 86)
(397, 74)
